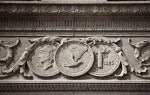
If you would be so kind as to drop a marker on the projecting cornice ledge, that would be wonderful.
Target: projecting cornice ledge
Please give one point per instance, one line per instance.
(108, 8)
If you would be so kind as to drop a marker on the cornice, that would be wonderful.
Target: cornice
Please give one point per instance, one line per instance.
(75, 2)
(94, 9)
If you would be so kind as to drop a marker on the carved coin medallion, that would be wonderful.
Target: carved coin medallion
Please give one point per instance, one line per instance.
(106, 60)
(41, 61)
(74, 58)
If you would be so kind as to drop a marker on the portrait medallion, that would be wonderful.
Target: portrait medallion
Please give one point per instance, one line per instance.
(41, 61)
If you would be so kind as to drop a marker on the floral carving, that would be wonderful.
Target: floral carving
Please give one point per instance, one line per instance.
(7, 47)
(22, 62)
(142, 61)
(73, 52)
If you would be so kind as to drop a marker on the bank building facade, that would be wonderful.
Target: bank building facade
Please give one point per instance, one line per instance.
(75, 47)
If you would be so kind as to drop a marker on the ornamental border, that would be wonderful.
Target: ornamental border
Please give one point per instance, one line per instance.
(107, 8)
(74, 87)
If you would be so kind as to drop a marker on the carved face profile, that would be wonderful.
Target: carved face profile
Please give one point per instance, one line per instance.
(46, 56)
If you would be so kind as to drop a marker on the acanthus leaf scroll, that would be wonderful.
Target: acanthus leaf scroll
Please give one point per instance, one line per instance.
(48, 56)
(22, 61)
(142, 61)
(7, 48)
(6, 54)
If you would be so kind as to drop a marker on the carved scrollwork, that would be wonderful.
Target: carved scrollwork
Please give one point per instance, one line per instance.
(142, 60)
(47, 56)
(22, 62)
(6, 51)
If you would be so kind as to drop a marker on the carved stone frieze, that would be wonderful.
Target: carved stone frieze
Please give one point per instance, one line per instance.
(67, 59)
(47, 56)
(74, 46)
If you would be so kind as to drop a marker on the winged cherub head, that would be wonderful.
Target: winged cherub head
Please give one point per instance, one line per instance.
(46, 56)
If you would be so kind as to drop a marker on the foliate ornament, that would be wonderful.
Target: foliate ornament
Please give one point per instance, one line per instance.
(107, 57)
(74, 57)
(6, 52)
(46, 56)
(25, 60)
(142, 55)
(46, 8)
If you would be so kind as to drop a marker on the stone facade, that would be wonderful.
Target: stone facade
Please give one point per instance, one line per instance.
(74, 46)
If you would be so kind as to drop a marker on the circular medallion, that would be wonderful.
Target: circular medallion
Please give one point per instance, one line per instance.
(41, 60)
(106, 61)
(74, 58)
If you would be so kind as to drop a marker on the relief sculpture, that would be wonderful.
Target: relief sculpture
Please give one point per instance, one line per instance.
(73, 57)
(142, 55)
(43, 55)
(41, 61)
(46, 55)
(6, 54)
(106, 59)
(6, 51)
